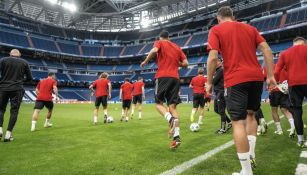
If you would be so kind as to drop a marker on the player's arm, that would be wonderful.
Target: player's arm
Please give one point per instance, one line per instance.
(183, 60)
(269, 64)
(213, 48)
(211, 66)
(92, 88)
(110, 89)
(120, 94)
(191, 84)
(37, 88)
(56, 92)
(150, 56)
(28, 73)
(279, 66)
(184, 63)
(37, 91)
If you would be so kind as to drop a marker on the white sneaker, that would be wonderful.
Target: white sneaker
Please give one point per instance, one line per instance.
(258, 130)
(289, 130)
(278, 132)
(200, 123)
(47, 125)
(32, 129)
(292, 133)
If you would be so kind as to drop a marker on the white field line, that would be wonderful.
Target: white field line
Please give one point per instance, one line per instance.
(301, 169)
(303, 154)
(190, 163)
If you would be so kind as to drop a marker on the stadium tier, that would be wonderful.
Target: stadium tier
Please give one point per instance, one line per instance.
(93, 104)
(24, 34)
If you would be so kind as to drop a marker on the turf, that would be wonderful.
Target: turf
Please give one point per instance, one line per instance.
(75, 146)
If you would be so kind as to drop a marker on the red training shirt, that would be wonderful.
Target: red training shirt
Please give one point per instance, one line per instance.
(294, 60)
(137, 88)
(282, 76)
(102, 87)
(45, 87)
(198, 82)
(237, 43)
(168, 58)
(126, 88)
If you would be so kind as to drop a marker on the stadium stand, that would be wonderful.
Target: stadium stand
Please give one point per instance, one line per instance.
(199, 39)
(267, 23)
(180, 41)
(23, 33)
(112, 51)
(14, 38)
(44, 43)
(83, 78)
(133, 49)
(76, 66)
(295, 16)
(70, 47)
(91, 50)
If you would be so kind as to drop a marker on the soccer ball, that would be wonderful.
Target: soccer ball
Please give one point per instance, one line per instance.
(283, 87)
(110, 119)
(194, 127)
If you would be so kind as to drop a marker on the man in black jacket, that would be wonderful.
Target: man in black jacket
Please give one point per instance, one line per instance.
(14, 71)
(219, 102)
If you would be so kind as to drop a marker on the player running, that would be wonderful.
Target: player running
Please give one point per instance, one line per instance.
(103, 91)
(125, 95)
(44, 99)
(198, 85)
(219, 102)
(169, 58)
(281, 99)
(294, 60)
(243, 78)
(138, 96)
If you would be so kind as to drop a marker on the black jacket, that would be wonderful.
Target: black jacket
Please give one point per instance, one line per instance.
(218, 79)
(13, 73)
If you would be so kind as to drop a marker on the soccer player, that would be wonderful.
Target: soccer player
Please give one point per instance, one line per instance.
(243, 78)
(14, 72)
(198, 85)
(169, 57)
(219, 102)
(103, 93)
(138, 96)
(280, 99)
(294, 60)
(44, 98)
(125, 94)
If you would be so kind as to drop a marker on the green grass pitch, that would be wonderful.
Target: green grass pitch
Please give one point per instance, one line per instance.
(75, 146)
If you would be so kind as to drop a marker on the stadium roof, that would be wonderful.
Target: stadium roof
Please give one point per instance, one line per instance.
(117, 15)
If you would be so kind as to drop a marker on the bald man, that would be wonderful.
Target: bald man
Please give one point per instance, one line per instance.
(14, 71)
